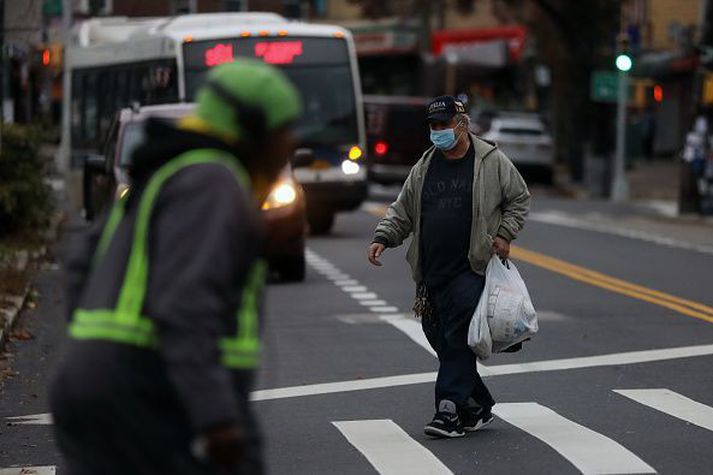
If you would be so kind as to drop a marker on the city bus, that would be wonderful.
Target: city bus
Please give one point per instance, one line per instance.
(118, 62)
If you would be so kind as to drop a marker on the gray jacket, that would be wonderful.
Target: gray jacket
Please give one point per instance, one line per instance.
(501, 202)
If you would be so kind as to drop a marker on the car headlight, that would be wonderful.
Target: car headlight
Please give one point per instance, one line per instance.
(283, 194)
(350, 168)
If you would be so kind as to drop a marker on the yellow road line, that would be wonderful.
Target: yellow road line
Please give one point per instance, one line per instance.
(598, 279)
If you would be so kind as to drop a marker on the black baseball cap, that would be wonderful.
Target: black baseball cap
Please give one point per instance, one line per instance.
(443, 108)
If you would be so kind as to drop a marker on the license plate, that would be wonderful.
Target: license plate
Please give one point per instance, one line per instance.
(320, 165)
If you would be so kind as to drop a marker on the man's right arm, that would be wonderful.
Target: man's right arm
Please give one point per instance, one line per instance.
(397, 224)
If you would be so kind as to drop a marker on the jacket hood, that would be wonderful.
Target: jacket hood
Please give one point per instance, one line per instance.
(483, 147)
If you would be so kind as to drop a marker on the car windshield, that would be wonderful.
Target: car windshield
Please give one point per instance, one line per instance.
(319, 69)
(132, 137)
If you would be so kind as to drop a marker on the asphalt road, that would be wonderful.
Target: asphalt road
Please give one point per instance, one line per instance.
(619, 379)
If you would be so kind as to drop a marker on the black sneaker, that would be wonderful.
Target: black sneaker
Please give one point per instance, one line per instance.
(475, 418)
(446, 422)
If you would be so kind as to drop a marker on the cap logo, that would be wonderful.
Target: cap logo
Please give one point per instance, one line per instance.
(436, 105)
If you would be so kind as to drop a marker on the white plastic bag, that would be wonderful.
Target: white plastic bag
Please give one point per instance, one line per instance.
(506, 305)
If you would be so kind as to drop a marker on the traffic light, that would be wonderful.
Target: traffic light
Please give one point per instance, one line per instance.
(623, 60)
(50, 55)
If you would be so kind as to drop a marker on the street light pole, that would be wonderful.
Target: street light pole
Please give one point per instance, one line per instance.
(63, 157)
(620, 185)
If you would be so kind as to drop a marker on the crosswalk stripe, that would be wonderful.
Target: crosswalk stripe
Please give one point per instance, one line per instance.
(589, 451)
(44, 419)
(44, 470)
(673, 404)
(389, 449)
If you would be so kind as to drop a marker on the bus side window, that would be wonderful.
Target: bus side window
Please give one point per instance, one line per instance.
(91, 106)
(105, 91)
(121, 95)
(77, 109)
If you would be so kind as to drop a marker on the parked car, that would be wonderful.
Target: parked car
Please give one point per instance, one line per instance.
(284, 209)
(396, 134)
(524, 139)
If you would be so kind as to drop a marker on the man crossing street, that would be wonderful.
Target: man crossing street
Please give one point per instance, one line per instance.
(463, 201)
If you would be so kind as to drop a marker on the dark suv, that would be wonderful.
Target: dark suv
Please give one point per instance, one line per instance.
(397, 135)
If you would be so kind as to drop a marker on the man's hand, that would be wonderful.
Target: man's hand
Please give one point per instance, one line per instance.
(501, 247)
(374, 253)
(225, 445)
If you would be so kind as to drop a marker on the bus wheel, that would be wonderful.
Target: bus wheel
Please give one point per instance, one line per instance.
(320, 223)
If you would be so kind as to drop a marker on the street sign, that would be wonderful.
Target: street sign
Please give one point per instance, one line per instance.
(604, 86)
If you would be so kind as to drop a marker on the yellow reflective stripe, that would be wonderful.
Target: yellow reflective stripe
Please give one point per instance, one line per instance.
(239, 361)
(131, 296)
(94, 317)
(117, 213)
(104, 325)
(243, 350)
(248, 315)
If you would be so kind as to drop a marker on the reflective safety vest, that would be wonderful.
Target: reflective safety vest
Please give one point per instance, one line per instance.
(125, 324)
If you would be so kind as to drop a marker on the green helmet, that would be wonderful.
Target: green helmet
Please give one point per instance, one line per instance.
(245, 98)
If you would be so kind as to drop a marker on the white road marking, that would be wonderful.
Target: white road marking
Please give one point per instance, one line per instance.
(412, 328)
(616, 359)
(354, 288)
(389, 449)
(589, 451)
(364, 295)
(384, 309)
(372, 303)
(342, 386)
(673, 404)
(343, 283)
(613, 359)
(558, 218)
(43, 470)
(33, 419)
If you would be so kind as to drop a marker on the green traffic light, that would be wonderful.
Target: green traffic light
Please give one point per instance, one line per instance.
(624, 62)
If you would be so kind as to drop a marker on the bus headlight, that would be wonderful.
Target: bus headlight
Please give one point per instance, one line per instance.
(350, 168)
(283, 194)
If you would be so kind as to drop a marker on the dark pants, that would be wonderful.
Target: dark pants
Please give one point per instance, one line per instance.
(447, 332)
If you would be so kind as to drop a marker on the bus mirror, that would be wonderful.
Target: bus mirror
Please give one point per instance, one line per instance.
(303, 157)
(96, 163)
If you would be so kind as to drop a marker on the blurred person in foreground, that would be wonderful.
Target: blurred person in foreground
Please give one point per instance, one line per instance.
(164, 303)
(463, 201)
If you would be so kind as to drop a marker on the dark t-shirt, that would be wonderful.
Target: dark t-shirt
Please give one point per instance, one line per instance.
(446, 216)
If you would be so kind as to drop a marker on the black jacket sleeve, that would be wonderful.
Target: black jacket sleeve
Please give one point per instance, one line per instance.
(78, 257)
(200, 244)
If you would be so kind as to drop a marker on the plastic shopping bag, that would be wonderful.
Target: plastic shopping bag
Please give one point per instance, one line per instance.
(506, 304)
(479, 339)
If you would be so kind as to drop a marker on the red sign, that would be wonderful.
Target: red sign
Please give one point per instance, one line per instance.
(514, 35)
(281, 52)
(219, 54)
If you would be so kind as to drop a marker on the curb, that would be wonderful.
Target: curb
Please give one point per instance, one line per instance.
(21, 262)
(9, 316)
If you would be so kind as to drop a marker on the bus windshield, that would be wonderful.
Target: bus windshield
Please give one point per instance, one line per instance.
(318, 67)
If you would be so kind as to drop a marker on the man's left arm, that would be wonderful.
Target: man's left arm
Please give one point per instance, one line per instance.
(515, 199)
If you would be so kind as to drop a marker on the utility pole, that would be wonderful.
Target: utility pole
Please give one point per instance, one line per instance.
(63, 156)
(192, 6)
(3, 73)
(620, 185)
